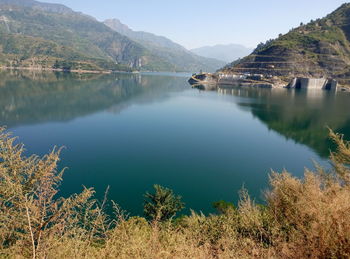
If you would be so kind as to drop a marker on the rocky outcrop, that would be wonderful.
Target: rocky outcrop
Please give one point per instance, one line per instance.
(206, 81)
(203, 79)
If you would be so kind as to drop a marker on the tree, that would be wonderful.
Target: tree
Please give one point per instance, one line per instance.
(67, 66)
(56, 65)
(162, 205)
(223, 207)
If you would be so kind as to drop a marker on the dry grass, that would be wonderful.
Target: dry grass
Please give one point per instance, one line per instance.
(302, 218)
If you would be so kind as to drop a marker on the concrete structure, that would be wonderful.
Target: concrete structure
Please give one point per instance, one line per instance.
(313, 83)
(258, 80)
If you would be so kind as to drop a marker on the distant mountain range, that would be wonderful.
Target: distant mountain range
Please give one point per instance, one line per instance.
(320, 48)
(56, 8)
(41, 35)
(227, 53)
(166, 49)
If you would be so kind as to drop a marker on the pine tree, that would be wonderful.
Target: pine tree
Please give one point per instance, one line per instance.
(162, 205)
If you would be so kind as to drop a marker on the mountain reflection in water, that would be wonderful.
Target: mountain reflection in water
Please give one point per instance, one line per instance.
(36, 97)
(131, 131)
(301, 115)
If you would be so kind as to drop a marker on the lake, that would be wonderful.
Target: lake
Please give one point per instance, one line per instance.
(130, 131)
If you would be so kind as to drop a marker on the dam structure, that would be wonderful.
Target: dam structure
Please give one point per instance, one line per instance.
(313, 83)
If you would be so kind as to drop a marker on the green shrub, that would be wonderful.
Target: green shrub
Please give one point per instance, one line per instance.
(223, 207)
(162, 205)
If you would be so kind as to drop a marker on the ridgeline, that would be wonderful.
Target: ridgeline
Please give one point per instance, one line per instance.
(320, 48)
(35, 35)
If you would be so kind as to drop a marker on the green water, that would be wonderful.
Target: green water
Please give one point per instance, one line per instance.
(132, 131)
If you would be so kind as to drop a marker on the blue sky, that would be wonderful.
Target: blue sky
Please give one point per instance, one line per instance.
(195, 23)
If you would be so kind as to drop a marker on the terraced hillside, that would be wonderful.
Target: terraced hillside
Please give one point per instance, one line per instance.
(319, 48)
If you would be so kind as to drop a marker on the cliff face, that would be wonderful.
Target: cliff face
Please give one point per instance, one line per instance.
(320, 48)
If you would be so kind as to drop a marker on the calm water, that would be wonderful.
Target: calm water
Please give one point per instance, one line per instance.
(133, 131)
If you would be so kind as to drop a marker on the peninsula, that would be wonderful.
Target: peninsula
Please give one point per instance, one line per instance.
(316, 55)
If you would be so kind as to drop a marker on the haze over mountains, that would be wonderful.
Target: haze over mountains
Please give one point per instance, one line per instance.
(42, 35)
(227, 53)
(166, 49)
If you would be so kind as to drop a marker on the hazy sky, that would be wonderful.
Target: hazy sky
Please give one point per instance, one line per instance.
(195, 23)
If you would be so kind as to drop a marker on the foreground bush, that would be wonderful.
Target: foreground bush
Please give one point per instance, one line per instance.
(302, 218)
(162, 205)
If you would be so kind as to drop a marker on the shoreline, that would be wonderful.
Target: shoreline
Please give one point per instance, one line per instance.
(263, 81)
(85, 71)
(62, 70)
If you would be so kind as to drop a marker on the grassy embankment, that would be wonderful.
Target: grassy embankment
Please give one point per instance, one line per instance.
(302, 218)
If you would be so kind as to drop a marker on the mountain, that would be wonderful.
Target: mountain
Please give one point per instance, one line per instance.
(34, 34)
(225, 53)
(142, 37)
(319, 48)
(56, 8)
(167, 49)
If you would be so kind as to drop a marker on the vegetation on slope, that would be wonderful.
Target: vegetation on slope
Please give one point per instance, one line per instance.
(167, 50)
(84, 39)
(35, 34)
(302, 218)
(30, 52)
(319, 48)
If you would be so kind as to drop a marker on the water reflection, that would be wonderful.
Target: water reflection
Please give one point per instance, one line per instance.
(35, 97)
(203, 145)
(301, 115)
